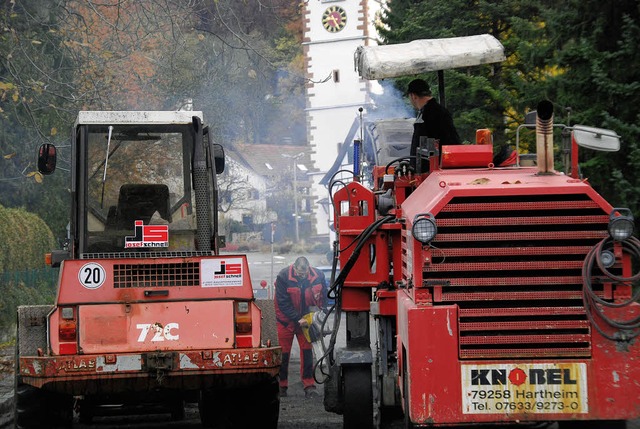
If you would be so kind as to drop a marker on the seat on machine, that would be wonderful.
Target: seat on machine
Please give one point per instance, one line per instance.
(140, 202)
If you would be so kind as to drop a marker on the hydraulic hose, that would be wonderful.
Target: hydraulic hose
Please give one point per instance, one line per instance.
(625, 330)
(336, 288)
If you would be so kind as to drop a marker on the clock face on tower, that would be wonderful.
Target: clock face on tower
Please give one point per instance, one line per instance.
(334, 19)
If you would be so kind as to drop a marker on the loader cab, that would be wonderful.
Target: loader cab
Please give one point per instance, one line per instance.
(143, 183)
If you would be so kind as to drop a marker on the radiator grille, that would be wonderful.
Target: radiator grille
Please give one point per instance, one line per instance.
(156, 275)
(513, 266)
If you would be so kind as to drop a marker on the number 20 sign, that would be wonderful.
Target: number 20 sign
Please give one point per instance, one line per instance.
(92, 275)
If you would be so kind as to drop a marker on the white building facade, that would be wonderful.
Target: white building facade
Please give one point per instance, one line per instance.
(333, 30)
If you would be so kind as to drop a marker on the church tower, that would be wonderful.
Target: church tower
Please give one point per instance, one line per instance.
(333, 30)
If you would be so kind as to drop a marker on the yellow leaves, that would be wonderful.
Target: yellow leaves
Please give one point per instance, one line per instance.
(5, 89)
(54, 131)
(36, 42)
(37, 86)
(6, 86)
(9, 156)
(37, 176)
(201, 37)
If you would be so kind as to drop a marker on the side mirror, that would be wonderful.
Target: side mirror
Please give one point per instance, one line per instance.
(47, 156)
(218, 156)
(596, 138)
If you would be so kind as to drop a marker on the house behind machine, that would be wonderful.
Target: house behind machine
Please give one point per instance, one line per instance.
(257, 195)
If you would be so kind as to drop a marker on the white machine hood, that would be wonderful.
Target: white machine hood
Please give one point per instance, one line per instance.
(419, 56)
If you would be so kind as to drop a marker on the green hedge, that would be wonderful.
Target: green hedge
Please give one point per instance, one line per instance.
(24, 278)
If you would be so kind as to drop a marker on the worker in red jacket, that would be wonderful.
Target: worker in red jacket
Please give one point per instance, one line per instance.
(299, 288)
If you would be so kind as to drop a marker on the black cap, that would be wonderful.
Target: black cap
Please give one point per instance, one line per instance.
(419, 87)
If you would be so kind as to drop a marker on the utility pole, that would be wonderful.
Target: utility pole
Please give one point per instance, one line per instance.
(270, 287)
(294, 159)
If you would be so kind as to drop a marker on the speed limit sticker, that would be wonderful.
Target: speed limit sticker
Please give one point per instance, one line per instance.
(92, 275)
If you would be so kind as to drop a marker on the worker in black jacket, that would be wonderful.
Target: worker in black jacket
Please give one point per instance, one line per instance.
(433, 120)
(299, 289)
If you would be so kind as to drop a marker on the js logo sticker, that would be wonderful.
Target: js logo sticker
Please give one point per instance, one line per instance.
(148, 236)
(228, 269)
(222, 272)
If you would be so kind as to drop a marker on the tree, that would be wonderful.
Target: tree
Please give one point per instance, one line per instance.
(596, 51)
(478, 97)
(233, 189)
(58, 57)
(23, 276)
(579, 54)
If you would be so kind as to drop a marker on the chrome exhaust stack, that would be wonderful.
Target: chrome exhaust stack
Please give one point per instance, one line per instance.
(544, 138)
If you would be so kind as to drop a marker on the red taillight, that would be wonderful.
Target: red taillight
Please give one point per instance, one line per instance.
(243, 317)
(68, 331)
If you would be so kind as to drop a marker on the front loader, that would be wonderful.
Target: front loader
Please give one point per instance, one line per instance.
(148, 315)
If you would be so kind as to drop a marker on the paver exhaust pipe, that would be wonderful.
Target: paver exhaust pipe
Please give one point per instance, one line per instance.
(544, 137)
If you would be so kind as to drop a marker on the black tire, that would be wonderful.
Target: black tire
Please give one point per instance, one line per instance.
(85, 417)
(358, 397)
(216, 407)
(221, 409)
(266, 406)
(206, 407)
(35, 408)
(86, 411)
(177, 410)
(27, 406)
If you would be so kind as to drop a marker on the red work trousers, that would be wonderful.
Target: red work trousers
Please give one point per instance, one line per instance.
(285, 337)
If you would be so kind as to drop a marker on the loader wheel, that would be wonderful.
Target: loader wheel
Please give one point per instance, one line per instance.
(218, 408)
(207, 404)
(266, 406)
(86, 408)
(221, 408)
(85, 417)
(358, 397)
(28, 405)
(36, 408)
(177, 410)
